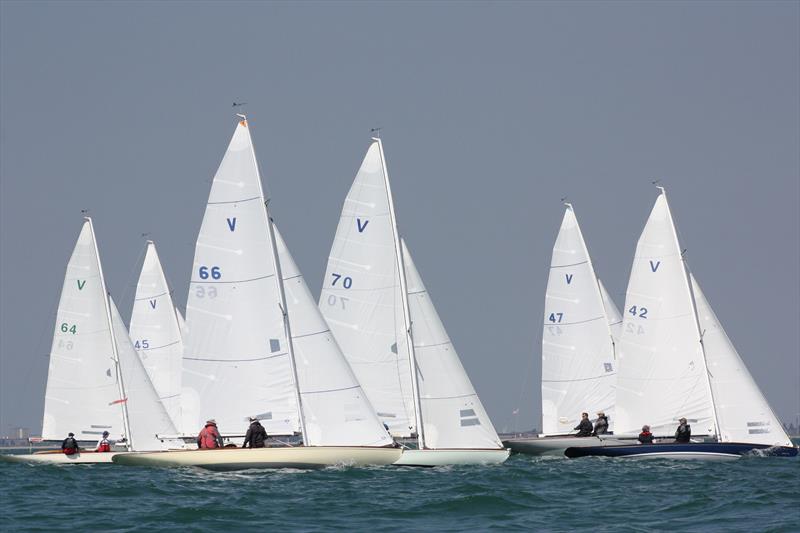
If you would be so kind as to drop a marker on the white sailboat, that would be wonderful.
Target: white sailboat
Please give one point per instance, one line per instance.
(676, 362)
(257, 345)
(578, 347)
(156, 332)
(381, 314)
(95, 380)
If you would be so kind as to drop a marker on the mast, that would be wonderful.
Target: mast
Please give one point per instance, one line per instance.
(281, 292)
(696, 320)
(404, 291)
(115, 355)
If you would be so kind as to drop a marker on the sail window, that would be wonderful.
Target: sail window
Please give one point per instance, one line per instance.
(608, 367)
(274, 345)
(469, 418)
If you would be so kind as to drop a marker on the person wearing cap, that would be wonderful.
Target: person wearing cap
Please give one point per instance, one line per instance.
(209, 437)
(684, 432)
(584, 427)
(69, 445)
(601, 424)
(645, 437)
(103, 445)
(256, 434)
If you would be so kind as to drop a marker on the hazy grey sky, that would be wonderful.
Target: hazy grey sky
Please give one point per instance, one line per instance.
(491, 114)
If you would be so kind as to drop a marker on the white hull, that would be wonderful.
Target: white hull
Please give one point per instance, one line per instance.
(696, 456)
(555, 446)
(451, 457)
(57, 457)
(306, 457)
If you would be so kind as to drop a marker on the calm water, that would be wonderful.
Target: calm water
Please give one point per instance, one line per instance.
(761, 494)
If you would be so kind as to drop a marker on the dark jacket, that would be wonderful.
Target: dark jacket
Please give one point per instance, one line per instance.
(584, 428)
(645, 437)
(69, 445)
(683, 433)
(255, 436)
(601, 425)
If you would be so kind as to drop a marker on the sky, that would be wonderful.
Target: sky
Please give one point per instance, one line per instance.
(491, 113)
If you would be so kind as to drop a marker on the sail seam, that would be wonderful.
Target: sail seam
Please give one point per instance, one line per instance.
(576, 380)
(574, 323)
(234, 360)
(203, 282)
(151, 297)
(234, 201)
(330, 390)
(570, 265)
(158, 347)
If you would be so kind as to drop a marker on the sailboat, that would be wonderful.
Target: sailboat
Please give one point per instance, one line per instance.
(578, 347)
(95, 381)
(257, 346)
(381, 314)
(677, 362)
(156, 332)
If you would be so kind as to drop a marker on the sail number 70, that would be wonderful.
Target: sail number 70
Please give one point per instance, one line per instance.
(347, 281)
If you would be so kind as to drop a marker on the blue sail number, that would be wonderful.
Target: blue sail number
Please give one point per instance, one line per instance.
(215, 272)
(640, 312)
(347, 281)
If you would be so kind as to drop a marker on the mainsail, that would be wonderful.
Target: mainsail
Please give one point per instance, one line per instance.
(452, 413)
(236, 360)
(83, 392)
(662, 372)
(155, 331)
(146, 413)
(362, 301)
(578, 362)
(743, 413)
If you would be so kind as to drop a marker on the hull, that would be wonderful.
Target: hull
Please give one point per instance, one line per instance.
(452, 457)
(556, 446)
(711, 451)
(57, 457)
(305, 457)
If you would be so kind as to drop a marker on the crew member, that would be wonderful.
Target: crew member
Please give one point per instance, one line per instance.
(103, 445)
(684, 432)
(584, 427)
(209, 436)
(645, 437)
(256, 434)
(69, 445)
(601, 424)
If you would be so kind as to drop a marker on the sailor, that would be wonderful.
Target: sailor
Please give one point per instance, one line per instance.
(209, 436)
(256, 434)
(684, 432)
(601, 424)
(70, 446)
(103, 445)
(645, 437)
(584, 427)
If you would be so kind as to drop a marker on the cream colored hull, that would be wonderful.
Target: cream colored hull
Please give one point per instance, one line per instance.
(306, 457)
(451, 457)
(82, 458)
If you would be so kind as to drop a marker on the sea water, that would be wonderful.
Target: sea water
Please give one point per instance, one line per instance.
(524, 494)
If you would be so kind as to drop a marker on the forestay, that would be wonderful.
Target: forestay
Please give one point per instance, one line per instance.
(82, 391)
(661, 368)
(156, 333)
(336, 409)
(236, 362)
(452, 413)
(742, 411)
(578, 364)
(362, 301)
(147, 416)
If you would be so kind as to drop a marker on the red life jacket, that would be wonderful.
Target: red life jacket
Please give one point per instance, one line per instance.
(104, 446)
(70, 451)
(208, 437)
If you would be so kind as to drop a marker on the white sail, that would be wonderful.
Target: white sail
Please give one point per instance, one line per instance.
(661, 374)
(361, 298)
(578, 365)
(742, 411)
(155, 331)
(146, 414)
(612, 312)
(452, 413)
(82, 390)
(236, 362)
(337, 411)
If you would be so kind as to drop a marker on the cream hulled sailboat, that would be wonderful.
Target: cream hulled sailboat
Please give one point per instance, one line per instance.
(677, 362)
(383, 318)
(95, 380)
(257, 346)
(579, 366)
(156, 332)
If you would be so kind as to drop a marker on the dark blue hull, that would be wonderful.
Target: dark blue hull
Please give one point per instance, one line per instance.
(699, 450)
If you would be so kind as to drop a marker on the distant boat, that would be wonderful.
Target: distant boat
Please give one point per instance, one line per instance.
(677, 362)
(381, 314)
(257, 345)
(95, 380)
(156, 333)
(579, 366)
